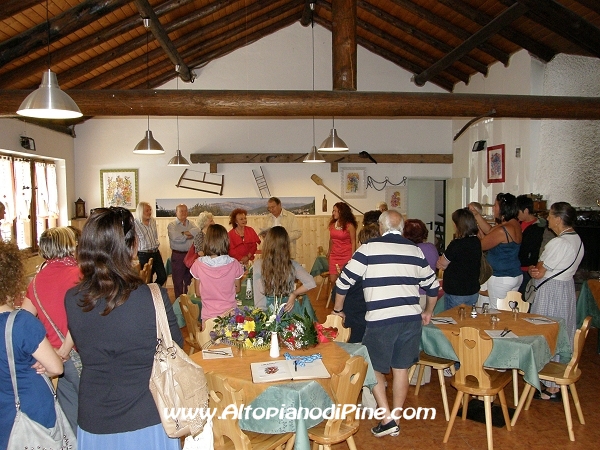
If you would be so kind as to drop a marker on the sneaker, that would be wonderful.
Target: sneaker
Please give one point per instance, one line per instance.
(448, 372)
(390, 428)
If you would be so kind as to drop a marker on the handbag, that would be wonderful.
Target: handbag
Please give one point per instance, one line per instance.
(190, 257)
(73, 355)
(485, 270)
(176, 383)
(531, 289)
(27, 433)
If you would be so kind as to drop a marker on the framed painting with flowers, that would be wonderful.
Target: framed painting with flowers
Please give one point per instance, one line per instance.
(119, 187)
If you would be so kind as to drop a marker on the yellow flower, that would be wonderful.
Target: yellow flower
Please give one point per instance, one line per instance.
(228, 333)
(249, 325)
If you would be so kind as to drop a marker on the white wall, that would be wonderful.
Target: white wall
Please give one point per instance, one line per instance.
(49, 145)
(559, 158)
(280, 61)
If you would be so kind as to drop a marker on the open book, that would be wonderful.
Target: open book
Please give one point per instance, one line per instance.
(265, 372)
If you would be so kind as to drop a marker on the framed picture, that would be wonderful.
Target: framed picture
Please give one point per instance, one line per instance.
(396, 198)
(354, 183)
(495, 164)
(119, 187)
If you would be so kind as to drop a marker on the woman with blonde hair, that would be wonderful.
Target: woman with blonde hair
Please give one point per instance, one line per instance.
(32, 351)
(46, 299)
(204, 220)
(275, 274)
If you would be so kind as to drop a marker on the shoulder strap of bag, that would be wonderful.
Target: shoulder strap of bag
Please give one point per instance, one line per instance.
(564, 270)
(41, 307)
(10, 356)
(162, 324)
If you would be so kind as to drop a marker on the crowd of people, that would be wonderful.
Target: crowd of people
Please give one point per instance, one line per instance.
(97, 328)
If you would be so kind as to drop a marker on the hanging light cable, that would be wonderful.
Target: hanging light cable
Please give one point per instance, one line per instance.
(314, 156)
(49, 101)
(178, 160)
(148, 145)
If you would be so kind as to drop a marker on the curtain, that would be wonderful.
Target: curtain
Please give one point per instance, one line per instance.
(23, 188)
(41, 191)
(7, 194)
(52, 190)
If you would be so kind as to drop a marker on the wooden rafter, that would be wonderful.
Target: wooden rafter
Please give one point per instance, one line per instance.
(165, 42)
(12, 7)
(333, 159)
(506, 17)
(245, 103)
(343, 43)
(534, 47)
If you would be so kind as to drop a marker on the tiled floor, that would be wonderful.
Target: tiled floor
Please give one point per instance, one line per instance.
(543, 427)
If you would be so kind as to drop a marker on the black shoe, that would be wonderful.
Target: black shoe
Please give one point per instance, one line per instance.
(390, 428)
(552, 396)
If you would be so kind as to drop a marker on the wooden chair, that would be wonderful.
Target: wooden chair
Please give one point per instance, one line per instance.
(190, 313)
(564, 375)
(504, 305)
(438, 364)
(146, 272)
(227, 432)
(472, 379)
(347, 386)
(333, 321)
(204, 336)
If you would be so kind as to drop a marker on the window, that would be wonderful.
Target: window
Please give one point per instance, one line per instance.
(28, 190)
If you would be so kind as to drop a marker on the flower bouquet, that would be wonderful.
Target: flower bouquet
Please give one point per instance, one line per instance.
(294, 331)
(244, 327)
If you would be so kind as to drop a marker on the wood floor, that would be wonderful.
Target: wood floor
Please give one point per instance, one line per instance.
(543, 427)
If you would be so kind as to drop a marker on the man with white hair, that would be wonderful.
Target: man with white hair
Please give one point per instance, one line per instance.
(392, 269)
(279, 216)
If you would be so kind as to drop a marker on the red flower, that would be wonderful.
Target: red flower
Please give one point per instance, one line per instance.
(252, 334)
(292, 327)
(239, 319)
(249, 319)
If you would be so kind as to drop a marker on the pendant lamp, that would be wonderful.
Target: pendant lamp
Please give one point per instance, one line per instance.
(333, 143)
(314, 156)
(148, 145)
(49, 101)
(178, 160)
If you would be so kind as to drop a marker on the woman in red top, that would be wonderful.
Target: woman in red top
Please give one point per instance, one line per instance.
(243, 240)
(46, 299)
(342, 239)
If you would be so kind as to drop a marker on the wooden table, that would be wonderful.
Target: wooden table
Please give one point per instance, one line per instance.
(237, 371)
(535, 345)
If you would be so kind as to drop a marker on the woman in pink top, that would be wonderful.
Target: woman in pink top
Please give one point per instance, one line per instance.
(342, 239)
(218, 274)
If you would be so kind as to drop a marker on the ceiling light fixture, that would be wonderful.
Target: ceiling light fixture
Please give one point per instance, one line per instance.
(49, 101)
(148, 145)
(333, 143)
(314, 156)
(178, 160)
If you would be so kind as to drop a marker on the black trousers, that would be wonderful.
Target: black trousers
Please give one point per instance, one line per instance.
(158, 267)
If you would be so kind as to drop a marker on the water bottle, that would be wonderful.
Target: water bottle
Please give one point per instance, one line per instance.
(473, 312)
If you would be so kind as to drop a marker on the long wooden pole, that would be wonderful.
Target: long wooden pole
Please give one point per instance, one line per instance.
(141, 102)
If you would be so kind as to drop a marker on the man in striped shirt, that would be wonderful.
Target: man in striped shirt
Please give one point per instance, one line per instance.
(392, 269)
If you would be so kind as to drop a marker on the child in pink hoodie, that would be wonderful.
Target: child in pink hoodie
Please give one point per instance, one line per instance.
(219, 275)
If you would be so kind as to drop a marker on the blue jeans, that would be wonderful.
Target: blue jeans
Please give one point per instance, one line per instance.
(450, 301)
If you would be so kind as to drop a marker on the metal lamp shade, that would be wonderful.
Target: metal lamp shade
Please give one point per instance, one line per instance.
(148, 146)
(178, 160)
(314, 156)
(49, 101)
(333, 143)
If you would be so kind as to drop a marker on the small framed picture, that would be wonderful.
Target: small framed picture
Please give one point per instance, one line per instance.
(119, 187)
(354, 183)
(396, 198)
(495, 164)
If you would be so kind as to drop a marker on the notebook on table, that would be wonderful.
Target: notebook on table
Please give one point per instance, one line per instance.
(266, 372)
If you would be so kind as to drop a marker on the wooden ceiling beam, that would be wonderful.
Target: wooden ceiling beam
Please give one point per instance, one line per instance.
(594, 5)
(36, 38)
(563, 21)
(130, 46)
(197, 59)
(441, 81)
(88, 42)
(12, 7)
(438, 45)
(343, 44)
(448, 26)
(247, 103)
(164, 40)
(332, 158)
(534, 47)
(506, 17)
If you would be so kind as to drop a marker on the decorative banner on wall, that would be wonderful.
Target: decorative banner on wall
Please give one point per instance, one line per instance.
(165, 207)
(119, 187)
(396, 198)
(496, 168)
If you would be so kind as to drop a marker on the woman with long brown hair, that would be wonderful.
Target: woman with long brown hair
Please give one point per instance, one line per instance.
(112, 319)
(342, 239)
(275, 273)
